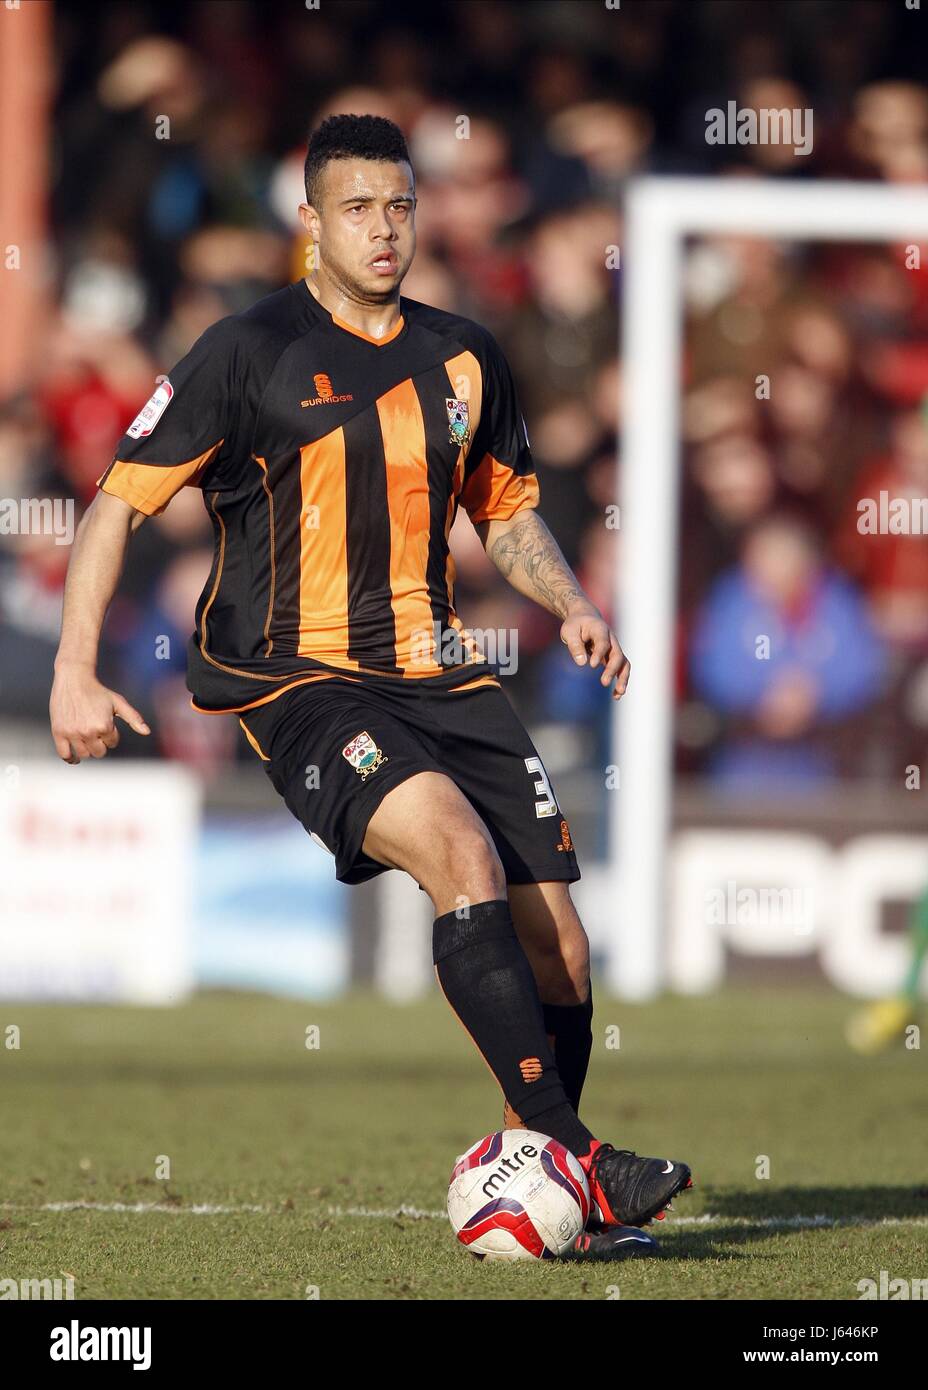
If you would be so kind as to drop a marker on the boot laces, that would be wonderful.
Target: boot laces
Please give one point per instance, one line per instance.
(607, 1151)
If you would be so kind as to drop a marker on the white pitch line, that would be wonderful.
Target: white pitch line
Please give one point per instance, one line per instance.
(136, 1208)
(385, 1213)
(766, 1223)
(795, 1223)
(770, 1223)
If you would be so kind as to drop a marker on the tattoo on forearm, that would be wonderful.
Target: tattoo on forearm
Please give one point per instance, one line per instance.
(528, 552)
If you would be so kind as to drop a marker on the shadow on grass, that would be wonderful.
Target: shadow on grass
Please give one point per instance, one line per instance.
(848, 1204)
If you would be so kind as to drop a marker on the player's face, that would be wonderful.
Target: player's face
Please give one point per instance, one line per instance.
(366, 225)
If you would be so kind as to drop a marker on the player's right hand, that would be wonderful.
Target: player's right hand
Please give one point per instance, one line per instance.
(83, 715)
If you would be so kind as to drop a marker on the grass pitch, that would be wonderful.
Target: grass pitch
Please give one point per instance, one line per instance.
(296, 1169)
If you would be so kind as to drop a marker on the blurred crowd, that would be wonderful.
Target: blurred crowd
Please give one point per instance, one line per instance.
(155, 236)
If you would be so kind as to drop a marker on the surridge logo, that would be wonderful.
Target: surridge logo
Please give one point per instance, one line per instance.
(324, 393)
(506, 1169)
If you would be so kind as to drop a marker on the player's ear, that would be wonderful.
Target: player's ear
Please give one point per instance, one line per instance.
(310, 219)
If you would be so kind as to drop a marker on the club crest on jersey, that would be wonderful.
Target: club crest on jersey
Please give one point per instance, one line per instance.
(363, 754)
(458, 421)
(151, 412)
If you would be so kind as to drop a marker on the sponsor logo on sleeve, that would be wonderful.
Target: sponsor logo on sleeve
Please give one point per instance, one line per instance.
(151, 412)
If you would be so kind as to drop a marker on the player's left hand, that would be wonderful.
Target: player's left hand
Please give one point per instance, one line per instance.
(588, 637)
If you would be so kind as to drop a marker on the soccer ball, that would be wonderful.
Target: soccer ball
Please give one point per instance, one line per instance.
(518, 1195)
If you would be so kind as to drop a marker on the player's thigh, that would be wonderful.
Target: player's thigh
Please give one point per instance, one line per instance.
(334, 753)
(489, 754)
(427, 827)
(552, 936)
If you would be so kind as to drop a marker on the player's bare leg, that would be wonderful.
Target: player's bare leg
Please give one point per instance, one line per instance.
(427, 827)
(554, 940)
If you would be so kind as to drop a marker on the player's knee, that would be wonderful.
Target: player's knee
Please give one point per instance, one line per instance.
(481, 869)
(467, 864)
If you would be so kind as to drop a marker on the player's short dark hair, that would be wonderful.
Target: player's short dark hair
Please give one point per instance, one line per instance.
(351, 137)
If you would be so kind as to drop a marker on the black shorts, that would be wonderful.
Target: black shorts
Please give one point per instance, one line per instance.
(334, 748)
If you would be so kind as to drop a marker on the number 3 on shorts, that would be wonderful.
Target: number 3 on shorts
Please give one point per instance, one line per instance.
(548, 806)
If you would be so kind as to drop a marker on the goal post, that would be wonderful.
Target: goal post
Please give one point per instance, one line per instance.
(659, 214)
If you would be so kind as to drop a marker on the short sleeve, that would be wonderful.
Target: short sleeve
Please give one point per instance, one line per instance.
(499, 475)
(182, 428)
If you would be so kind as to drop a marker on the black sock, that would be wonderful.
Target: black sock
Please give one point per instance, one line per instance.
(486, 978)
(573, 1043)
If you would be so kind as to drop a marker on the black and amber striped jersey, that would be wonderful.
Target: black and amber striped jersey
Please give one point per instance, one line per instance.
(332, 465)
